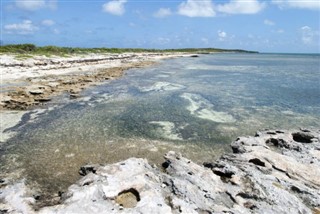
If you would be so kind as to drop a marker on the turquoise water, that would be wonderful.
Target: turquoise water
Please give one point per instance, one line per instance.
(196, 106)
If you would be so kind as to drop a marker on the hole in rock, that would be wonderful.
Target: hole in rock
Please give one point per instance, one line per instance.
(128, 198)
(166, 164)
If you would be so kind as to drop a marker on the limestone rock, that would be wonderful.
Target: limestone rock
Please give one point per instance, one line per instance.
(272, 172)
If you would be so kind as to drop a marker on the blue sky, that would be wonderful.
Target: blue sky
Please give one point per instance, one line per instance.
(265, 26)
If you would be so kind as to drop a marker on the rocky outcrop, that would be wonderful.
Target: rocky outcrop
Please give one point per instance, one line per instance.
(40, 90)
(59, 75)
(272, 172)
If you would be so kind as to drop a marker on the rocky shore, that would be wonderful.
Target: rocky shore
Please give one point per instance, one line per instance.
(274, 171)
(35, 81)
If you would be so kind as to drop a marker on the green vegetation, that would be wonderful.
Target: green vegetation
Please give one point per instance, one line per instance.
(30, 49)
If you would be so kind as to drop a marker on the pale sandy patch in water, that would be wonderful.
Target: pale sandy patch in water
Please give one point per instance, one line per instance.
(162, 86)
(202, 108)
(167, 130)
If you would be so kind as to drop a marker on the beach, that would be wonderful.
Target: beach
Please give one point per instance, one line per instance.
(34, 81)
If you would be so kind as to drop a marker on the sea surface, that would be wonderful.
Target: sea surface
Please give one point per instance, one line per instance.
(196, 106)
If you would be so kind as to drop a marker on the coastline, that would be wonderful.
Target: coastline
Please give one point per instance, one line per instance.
(34, 81)
(271, 171)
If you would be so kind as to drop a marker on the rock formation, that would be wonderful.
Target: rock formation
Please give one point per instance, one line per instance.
(272, 172)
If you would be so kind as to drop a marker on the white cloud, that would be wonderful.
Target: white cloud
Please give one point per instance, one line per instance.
(194, 8)
(308, 36)
(162, 12)
(222, 35)
(115, 7)
(32, 5)
(26, 27)
(305, 4)
(242, 7)
(47, 22)
(268, 22)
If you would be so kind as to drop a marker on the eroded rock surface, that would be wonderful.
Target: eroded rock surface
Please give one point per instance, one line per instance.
(35, 81)
(272, 172)
(40, 90)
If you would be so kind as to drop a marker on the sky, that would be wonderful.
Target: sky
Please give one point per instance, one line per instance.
(286, 26)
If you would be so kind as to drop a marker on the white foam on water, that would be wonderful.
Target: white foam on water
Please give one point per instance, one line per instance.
(162, 86)
(167, 130)
(202, 108)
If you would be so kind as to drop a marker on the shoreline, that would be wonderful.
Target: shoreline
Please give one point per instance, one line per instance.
(34, 81)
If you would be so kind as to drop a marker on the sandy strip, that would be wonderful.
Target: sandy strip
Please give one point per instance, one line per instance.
(34, 81)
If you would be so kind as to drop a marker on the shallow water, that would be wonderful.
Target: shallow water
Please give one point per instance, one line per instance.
(196, 106)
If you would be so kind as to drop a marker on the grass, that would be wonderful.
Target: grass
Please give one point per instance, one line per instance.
(26, 50)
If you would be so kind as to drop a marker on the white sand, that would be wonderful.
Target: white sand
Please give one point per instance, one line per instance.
(14, 69)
